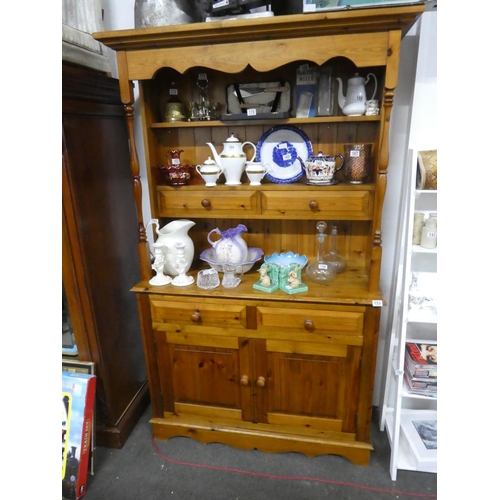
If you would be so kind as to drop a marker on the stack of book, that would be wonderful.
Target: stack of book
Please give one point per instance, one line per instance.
(421, 369)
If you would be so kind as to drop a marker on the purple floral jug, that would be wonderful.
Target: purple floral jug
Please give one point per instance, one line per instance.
(231, 247)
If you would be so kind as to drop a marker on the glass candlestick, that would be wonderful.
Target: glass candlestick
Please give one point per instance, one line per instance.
(180, 266)
(321, 271)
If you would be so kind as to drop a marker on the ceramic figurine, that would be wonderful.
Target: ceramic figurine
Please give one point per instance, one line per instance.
(268, 281)
(290, 280)
(158, 265)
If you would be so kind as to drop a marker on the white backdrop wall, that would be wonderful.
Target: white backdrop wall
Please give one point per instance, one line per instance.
(413, 125)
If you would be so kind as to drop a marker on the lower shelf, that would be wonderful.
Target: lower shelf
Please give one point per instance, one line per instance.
(412, 452)
(264, 437)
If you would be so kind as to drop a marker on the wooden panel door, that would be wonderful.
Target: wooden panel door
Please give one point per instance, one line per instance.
(311, 385)
(204, 375)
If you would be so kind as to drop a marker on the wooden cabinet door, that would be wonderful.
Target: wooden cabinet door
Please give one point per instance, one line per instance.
(204, 375)
(309, 385)
(311, 361)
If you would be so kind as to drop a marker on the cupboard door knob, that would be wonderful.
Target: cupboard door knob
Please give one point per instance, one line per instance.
(205, 203)
(244, 380)
(309, 325)
(313, 205)
(195, 317)
(261, 382)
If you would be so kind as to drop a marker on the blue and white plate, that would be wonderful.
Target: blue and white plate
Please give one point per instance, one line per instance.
(284, 149)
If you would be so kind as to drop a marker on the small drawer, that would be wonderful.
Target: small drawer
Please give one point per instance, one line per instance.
(352, 205)
(208, 203)
(195, 312)
(306, 323)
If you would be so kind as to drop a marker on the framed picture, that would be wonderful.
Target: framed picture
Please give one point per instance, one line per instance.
(420, 430)
(88, 368)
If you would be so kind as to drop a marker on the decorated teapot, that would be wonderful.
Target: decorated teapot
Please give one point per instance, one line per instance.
(354, 102)
(232, 159)
(320, 169)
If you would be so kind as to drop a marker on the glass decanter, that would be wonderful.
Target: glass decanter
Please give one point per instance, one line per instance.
(333, 256)
(321, 271)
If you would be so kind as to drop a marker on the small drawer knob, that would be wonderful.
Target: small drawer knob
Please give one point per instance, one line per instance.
(309, 325)
(261, 382)
(244, 380)
(195, 317)
(205, 203)
(313, 205)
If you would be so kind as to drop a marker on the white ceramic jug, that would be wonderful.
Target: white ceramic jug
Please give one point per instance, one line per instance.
(174, 232)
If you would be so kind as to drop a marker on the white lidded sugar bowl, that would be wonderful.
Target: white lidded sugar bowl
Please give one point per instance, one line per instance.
(209, 172)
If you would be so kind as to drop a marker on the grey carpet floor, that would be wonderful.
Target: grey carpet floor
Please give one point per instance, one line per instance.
(183, 469)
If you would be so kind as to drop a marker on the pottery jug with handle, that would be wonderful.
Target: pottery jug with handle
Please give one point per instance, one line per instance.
(231, 247)
(170, 234)
(354, 102)
(232, 159)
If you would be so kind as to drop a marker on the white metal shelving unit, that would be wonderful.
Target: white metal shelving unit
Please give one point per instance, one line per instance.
(400, 407)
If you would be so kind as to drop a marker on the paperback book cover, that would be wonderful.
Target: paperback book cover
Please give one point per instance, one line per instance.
(78, 399)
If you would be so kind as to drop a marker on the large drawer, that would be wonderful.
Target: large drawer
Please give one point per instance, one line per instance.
(198, 313)
(309, 324)
(205, 203)
(338, 205)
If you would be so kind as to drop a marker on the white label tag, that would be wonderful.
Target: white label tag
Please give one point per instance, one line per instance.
(322, 266)
(176, 161)
(354, 153)
(202, 76)
(251, 111)
(377, 303)
(431, 234)
(173, 92)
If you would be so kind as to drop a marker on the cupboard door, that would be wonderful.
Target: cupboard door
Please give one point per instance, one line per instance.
(202, 375)
(312, 385)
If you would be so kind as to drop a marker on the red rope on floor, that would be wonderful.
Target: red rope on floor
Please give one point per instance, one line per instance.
(295, 478)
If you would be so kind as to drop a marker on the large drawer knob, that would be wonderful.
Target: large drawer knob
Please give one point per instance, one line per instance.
(205, 203)
(261, 382)
(195, 317)
(313, 205)
(244, 380)
(309, 325)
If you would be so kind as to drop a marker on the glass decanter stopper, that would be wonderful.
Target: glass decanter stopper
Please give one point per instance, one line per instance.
(321, 271)
(333, 256)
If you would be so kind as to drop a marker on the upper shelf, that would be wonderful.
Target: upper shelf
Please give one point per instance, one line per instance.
(267, 121)
(264, 43)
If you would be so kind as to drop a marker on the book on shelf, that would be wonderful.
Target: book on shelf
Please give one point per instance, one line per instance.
(421, 359)
(421, 387)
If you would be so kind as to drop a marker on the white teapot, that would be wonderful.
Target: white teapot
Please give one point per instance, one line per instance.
(354, 102)
(232, 159)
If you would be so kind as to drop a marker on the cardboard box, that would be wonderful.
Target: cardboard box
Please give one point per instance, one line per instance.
(78, 399)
